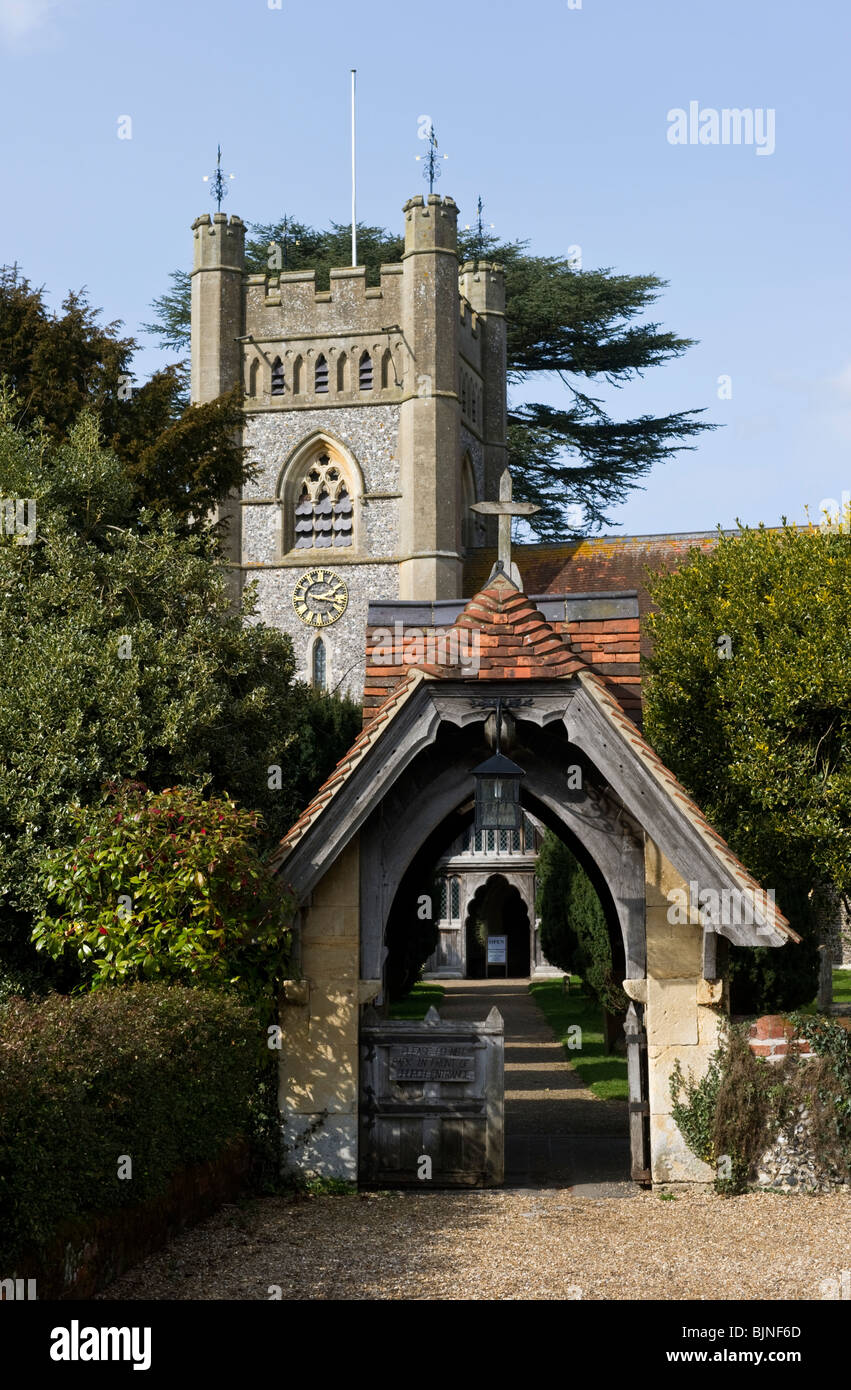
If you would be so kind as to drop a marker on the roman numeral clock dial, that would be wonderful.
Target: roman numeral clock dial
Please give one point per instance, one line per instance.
(320, 598)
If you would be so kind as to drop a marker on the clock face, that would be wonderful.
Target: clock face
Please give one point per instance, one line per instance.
(320, 598)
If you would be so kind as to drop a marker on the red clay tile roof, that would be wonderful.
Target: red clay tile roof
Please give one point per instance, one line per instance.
(514, 638)
(593, 564)
(501, 630)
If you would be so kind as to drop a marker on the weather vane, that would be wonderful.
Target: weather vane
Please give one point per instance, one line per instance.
(480, 229)
(296, 242)
(432, 170)
(219, 182)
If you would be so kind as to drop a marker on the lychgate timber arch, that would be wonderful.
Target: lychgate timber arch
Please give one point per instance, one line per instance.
(646, 843)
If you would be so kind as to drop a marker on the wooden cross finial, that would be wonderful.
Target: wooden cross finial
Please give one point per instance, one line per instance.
(505, 509)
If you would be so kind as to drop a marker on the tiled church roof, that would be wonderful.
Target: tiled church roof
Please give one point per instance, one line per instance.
(593, 564)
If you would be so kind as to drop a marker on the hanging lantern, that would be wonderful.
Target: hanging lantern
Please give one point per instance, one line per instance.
(498, 794)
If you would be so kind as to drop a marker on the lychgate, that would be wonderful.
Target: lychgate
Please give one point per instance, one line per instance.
(354, 860)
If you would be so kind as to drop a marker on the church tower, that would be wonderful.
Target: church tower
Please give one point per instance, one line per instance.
(374, 418)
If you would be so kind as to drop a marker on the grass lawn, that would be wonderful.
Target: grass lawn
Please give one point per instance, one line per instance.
(604, 1073)
(842, 986)
(417, 1004)
(841, 992)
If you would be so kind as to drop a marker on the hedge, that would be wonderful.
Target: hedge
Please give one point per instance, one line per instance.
(165, 1074)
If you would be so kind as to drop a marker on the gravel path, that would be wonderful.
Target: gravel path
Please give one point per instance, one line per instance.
(569, 1228)
(505, 1245)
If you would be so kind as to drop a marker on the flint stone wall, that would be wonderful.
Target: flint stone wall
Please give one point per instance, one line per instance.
(790, 1163)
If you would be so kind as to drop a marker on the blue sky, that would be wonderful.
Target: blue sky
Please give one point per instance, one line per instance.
(557, 115)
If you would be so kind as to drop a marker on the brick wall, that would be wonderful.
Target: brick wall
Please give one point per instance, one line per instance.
(772, 1037)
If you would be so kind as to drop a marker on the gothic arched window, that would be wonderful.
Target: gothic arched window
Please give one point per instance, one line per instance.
(454, 899)
(277, 377)
(324, 513)
(298, 369)
(468, 497)
(365, 372)
(318, 672)
(388, 371)
(443, 914)
(342, 372)
(320, 375)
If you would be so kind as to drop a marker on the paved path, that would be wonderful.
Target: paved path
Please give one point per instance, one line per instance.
(557, 1132)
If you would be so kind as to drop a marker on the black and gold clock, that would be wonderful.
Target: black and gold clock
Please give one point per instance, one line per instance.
(320, 598)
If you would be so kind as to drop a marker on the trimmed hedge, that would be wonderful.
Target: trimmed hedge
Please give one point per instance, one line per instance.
(165, 1074)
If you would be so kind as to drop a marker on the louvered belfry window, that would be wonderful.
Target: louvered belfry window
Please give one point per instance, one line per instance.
(324, 513)
(320, 379)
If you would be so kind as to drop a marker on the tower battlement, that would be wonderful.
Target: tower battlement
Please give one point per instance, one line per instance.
(431, 224)
(287, 303)
(482, 283)
(219, 242)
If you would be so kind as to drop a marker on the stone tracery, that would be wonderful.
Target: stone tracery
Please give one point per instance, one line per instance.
(324, 513)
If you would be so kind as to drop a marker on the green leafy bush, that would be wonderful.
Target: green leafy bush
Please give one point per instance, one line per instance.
(169, 886)
(164, 1074)
(574, 933)
(761, 737)
(124, 657)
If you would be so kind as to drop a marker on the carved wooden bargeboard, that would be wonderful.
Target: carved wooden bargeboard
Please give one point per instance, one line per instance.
(431, 1091)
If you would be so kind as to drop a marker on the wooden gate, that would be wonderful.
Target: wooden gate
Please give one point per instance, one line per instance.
(431, 1102)
(639, 1104)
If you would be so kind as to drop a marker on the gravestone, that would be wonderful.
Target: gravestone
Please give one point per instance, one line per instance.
(432, 1102)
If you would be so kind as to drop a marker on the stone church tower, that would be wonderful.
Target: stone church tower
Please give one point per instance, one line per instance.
(375, 417)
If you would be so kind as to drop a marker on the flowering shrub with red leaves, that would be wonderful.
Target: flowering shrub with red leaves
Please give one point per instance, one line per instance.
(166, 885)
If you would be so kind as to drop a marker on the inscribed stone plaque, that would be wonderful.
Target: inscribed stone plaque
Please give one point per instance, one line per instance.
(431, 1062)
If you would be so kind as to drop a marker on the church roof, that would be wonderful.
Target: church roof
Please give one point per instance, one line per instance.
(594, 563)
(517, 642)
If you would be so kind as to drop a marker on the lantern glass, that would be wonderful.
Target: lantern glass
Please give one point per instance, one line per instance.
(498, 794)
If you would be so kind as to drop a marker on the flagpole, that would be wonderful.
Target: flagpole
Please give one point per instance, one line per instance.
(354, 186)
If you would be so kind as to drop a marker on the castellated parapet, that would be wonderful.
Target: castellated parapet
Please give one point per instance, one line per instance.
(387, 401)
